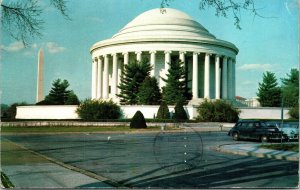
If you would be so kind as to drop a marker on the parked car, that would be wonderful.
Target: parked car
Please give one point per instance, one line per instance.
(291, 129)
(257, 130)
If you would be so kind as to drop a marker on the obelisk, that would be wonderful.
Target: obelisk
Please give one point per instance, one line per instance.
(40, 77)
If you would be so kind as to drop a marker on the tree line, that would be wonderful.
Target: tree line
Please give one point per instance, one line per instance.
(271, 94)
(138, 87)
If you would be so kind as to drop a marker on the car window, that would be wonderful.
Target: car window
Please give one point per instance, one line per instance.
(250, 125)
(265, 125)
(244, 125)
(256, 124)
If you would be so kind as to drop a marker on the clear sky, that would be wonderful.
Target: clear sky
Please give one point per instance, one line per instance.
(265, 44)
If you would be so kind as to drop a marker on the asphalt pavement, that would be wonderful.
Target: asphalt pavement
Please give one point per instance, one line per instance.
(152, 160)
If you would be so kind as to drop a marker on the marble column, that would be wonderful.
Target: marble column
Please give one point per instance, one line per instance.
(105, 78)
(114, 76)
(217, 71)
(224, 79)
(195, 76)
(229, 82)
(206, 76)
(233, 78)
(167, 60)
(182, 56)
(94, 78)
(152, 63)
(165, 70)
(120, 69)
(126, 58)
(138, 56)
(99, 80)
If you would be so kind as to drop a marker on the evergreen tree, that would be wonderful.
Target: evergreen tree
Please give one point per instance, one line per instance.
(72, 99)
(290, 89)
(269, 93)
(176, 89)
(59, 95)
(180, 113)
(132, 77)
(149, 92)
(163, 111)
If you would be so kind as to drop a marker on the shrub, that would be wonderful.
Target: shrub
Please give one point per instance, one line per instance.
(98, 109)
(218, 111)
(180, 113)
(138, 121)
(294, 112)
(11, 111)
(163, 111)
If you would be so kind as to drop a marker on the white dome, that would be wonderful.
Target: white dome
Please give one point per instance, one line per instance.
(163, 23)
(166, 26)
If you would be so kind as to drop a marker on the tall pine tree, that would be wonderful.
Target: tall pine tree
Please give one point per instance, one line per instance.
(290, 89)
(269, 93)
(149, 92)
(132, 77)
(60, 95)
(176, 89)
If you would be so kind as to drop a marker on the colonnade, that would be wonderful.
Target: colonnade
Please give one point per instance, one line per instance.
(224, 73)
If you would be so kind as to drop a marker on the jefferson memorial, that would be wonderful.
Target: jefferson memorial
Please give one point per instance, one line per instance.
(162, 35)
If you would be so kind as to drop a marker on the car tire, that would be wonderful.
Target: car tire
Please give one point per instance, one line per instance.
(264, 138)
(235, 136)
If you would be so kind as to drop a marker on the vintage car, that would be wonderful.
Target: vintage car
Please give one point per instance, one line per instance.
(291, 129)
(256, 130)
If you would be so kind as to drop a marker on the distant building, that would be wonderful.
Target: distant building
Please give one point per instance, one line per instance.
(242, 101)
(253, 102)
(162, 36)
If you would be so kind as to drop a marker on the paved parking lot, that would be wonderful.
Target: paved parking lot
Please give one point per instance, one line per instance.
(163, 160)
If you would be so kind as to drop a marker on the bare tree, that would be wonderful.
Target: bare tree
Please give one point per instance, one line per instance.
(21, 19)
(225, 7)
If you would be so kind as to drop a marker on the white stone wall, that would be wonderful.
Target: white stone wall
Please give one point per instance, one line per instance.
(263, 113)
(68, 112)
(47, 112)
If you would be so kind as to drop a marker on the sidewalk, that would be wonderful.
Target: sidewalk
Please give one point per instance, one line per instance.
(255, 150)
(25, 169)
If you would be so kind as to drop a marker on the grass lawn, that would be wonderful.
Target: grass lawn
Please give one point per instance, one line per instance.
(284, 147)
(57, 129)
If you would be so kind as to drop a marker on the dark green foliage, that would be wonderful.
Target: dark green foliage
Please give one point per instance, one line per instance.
(269, 93)
(180, 113)
(72, 99)
(4, 108)
(59, 95)
(5, 181)
(11, 111)
(98, 109)
(290, 89)
(149, 92)
(217, 111)
(163, 111)
(294, 112)
(138, 121)
(176, 89)
(132, 77)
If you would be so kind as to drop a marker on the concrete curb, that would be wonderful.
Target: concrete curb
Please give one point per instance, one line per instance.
(255, 153)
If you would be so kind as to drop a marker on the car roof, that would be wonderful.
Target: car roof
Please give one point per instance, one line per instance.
(248, 121)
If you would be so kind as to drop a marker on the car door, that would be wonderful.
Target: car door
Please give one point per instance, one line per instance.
(250, 130)
(243, 130)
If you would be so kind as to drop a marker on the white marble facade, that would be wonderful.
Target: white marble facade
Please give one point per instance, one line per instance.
(162, 36)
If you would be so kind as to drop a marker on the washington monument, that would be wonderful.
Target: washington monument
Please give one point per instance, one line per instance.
(40, 77)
